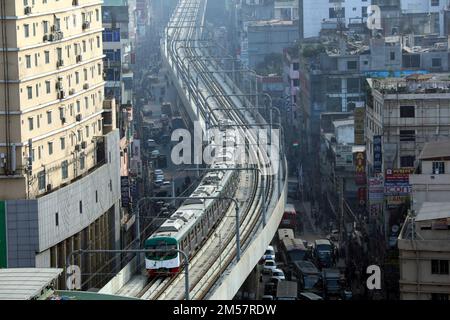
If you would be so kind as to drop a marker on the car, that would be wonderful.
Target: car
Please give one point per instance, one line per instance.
(278, 274)
(159, 177)
(151, 143)
(167, 183)
(309, 296)
(159, 172)
(269, 264)
(269, 254)
(267, 297)
(155, 154)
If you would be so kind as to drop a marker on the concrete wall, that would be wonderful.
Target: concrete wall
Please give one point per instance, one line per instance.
(120, 279)
(250, 257)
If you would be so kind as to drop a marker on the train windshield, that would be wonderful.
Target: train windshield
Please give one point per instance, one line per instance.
(167, 248)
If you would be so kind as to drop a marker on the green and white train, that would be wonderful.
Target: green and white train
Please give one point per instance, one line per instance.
(195, 219)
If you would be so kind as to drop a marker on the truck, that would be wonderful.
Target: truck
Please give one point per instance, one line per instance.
(287, 290)
(332, 283)
(323, 252)
(309, 277)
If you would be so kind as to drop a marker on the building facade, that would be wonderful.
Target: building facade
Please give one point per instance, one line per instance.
(57, 135)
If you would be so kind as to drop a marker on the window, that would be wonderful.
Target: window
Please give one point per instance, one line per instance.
(99, 69)
(45, 26)
(84, 45)
(49, 117)
(96, 196)
(435, 3)
(392, 55)
(352, 65)
(26, 30)
(40, 152)
(41, 180)
(81, 206)
(82, 161)
(407, 161)
(56, 219)
(64, 169)
(439, 296)
(30, 124)
(436, 62)
(34, 29)
(87, 131)
(407, 112)
(30, 92)
(47, 57)
(78, 106)
(334, 13)
(77, 77)
(439, 266)
(47, 87)
(28, 61)
(364, 12)
(86, 102)
(296, 82)
(411, 61)
(98, 42)
(63, 143)
(438, 167)
(295, 66)
(37, 90)
(85, 74)
(407, 135)
(97, 14)
(50, 148)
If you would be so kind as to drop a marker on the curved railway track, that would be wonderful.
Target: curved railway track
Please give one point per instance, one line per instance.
(182, 28)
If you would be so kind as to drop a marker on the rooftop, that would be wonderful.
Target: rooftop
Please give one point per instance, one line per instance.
(433, 210)
(413, 84)
(433, 150)
(273, 22)
(25, 283)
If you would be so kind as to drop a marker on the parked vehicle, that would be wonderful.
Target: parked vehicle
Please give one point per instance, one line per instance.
(332, 283)
(294, 250)
(289, 219)
(323, 252)
(155, 154)
(287, 290)
(270, 264)
(269, 254)
(309, 296)
(278, 274)
(308, 275)
(160, 177)
(267, 297)
(159, 172)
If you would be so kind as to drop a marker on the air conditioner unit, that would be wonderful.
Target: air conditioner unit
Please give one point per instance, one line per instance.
(83, 145)
(60, 35)
(78, 117)
(28, 10)
(49, 187)
(71, 91)
(75, 3)
(60, 63)
(63, 120)
(53, 28)
(46, 37)
(79, 58)
(77, 147)
(85, 25)
(86, 86)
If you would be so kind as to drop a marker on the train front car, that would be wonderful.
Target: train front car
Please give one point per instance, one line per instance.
(165, 262)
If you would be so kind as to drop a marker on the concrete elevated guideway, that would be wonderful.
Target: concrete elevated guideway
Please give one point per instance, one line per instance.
(215, 272)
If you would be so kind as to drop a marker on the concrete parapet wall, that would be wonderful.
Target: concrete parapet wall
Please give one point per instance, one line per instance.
(116, 283)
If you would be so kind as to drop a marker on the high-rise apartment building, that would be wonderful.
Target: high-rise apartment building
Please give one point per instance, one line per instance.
(59, 159)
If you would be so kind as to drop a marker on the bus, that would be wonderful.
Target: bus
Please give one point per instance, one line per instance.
(287, 290)
(294, 250)
(289, 219)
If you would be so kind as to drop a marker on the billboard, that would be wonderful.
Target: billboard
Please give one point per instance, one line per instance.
(125, 191)
(359, 114)
(344, 156)
(377, 154)
(396, 186)
(376, 190)
(360, 168)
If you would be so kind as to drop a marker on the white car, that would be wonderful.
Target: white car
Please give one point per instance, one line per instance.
(278, 274)
(269, 254)
(158, 172)
(159, 177)
(269, 265)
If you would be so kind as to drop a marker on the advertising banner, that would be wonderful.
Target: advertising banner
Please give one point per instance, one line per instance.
(344, 156)
(125, 191)
(376, 190)
(377, 154)
(360, 168)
